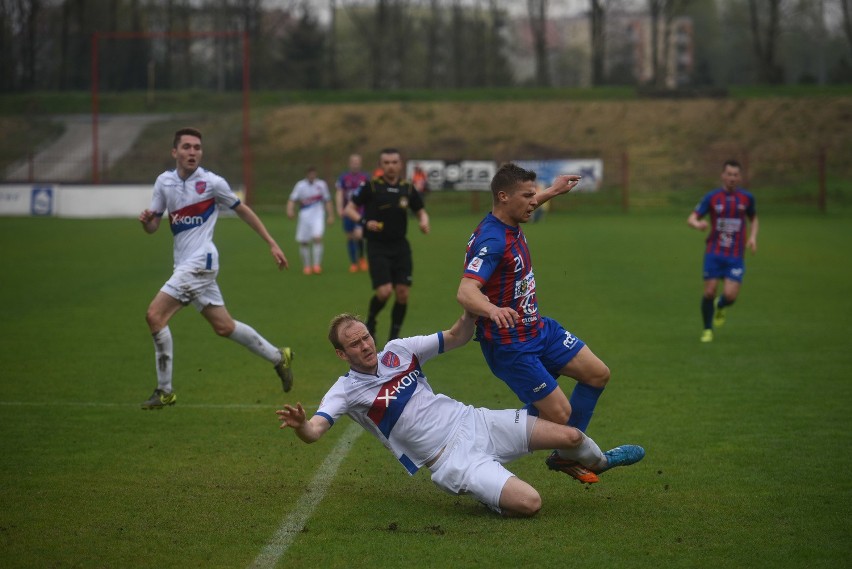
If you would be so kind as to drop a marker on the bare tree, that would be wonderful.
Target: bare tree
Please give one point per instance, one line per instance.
(373, 26)
(30, 13)
(73, 44)
(655, 8)
(537, 10)
(7, 71)
(597, 21)
(496, 63)
(662, 14)
(333, 77)
(432, 39)
(846, 5)
(457, 42)
(764, 34)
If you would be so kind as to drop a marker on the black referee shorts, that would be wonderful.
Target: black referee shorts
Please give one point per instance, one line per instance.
(390, 262)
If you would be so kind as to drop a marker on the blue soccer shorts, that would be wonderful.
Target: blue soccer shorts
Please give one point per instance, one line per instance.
(721, 267)
(530, 369)
(348, 225)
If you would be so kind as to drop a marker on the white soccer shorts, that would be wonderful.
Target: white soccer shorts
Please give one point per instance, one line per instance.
(197, 287)
(472, 462)
(311, 224)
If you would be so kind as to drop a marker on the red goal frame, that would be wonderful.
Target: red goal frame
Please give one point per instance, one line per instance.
(246, 60)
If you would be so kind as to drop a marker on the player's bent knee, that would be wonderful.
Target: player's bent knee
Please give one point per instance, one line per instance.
(519, 498)
(224, 329)
(603, 376)
(558, 413)
(573, 437)
(558, 416)
(525, 506)
(155, 320)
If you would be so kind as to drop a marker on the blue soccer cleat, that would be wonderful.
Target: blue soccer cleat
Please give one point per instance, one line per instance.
(624, 455)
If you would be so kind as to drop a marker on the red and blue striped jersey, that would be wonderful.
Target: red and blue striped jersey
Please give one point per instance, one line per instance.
(498, 257)
(349, 182)
(728, 214)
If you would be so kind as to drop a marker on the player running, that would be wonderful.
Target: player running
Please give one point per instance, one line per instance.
(313, 197)
(346, 185)
(192, 196)
(731, 208)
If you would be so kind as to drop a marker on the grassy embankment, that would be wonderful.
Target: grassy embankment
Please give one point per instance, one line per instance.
(667, 151)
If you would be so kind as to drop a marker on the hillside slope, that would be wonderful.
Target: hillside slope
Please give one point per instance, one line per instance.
(670, 144)
(666, 145)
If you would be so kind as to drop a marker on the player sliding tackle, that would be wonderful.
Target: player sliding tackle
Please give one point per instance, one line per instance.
(464, 447)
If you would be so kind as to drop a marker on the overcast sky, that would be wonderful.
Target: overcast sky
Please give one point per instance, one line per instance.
(518, 7)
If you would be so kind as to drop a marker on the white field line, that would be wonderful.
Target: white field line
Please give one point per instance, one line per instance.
(293, 524)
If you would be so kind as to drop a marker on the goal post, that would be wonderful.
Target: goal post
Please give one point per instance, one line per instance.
(247, 166)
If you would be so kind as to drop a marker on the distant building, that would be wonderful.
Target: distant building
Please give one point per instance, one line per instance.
(568, 40)
(630, 53)
(628, 57)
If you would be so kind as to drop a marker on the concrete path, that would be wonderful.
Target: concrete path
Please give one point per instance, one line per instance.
(69, 158)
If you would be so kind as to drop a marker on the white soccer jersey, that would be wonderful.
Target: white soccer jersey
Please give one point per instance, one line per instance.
(310, 196)
(192, 206)
(397, 405)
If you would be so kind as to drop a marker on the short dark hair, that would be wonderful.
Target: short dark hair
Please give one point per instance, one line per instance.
(508, 176)
(732, 163)
(389, 150)
(189, 131)
(336, 323)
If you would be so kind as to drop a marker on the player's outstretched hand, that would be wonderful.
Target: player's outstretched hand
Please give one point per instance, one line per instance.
(291, 416)
(565, 183)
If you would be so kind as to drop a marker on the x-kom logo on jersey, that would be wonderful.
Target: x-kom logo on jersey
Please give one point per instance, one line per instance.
(392, 389)
(386, 397)
(392, 398)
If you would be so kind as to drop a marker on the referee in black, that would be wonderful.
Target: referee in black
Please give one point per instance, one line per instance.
(386, 199)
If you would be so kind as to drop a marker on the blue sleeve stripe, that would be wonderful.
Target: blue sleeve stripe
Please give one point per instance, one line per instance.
(236, 204)
(441, 342)
(326, 416)
(408, 464)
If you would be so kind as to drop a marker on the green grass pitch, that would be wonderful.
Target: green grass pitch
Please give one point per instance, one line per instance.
(748, 438)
